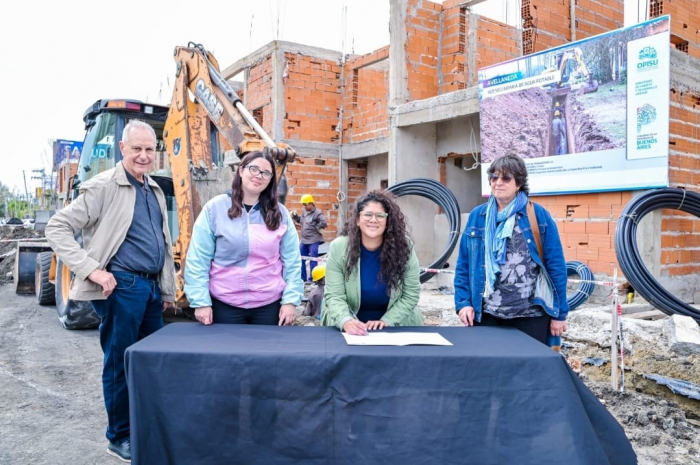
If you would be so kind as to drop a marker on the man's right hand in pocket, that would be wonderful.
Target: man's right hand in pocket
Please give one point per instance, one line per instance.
(105, 279)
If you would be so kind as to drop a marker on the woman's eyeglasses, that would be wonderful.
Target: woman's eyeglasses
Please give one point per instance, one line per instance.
(380, 216)
(505, 177)
(255, 171)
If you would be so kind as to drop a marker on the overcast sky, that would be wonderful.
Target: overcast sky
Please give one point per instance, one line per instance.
(60, 57)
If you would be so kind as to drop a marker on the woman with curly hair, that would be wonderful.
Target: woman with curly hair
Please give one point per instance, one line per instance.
(372, 273)
(243, 262)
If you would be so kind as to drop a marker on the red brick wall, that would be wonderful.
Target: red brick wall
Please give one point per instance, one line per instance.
(307, 176)
(586, 224)
(685, 23)
(496, 42)
(366, 97)
(259, 90)
(311, 98)
(423, 28)
(548, 22)
(453, 64)
(680, 241)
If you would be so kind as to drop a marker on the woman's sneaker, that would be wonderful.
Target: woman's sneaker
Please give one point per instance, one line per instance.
(121, 450)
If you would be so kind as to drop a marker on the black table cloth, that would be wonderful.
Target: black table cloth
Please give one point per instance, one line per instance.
(241, 394)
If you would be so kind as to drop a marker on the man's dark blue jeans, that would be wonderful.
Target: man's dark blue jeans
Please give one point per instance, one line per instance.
(133, 311)
(308, 250)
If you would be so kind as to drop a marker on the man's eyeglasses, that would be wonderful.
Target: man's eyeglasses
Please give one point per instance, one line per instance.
(380, 216)
(255, 171)
(505, 177)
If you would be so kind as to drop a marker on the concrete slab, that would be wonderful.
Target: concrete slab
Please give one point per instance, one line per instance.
(683, 334)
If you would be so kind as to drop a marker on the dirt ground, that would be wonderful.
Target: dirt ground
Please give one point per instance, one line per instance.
(518, 120)
(521, 121)
(9, 235)
(51, 408)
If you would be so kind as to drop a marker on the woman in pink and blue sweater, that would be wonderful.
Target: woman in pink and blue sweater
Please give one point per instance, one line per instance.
(243, 263)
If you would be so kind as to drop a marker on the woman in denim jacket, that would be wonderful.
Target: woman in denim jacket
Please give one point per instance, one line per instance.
(500, 279)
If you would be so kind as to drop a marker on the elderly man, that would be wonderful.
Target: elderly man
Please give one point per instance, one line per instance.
(125, 267)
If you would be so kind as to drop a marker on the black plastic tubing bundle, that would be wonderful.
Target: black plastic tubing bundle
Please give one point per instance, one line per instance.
(628, 255)
(583, 292)
(441, 195)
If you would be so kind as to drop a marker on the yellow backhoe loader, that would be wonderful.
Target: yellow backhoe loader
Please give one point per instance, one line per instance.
(200, 140)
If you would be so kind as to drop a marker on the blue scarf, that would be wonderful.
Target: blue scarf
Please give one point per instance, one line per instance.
(495, 239)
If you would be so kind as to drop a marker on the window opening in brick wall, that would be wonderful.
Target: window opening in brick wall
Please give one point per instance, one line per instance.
(384, 184)
(258, 115)
(656, 8)
(679, 43)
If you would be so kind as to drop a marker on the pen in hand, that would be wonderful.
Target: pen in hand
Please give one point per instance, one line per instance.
(355, 327)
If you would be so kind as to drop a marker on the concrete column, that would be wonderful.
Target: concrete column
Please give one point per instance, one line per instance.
(278, 65)
(398, 76)
(472, 77)
(412, 151)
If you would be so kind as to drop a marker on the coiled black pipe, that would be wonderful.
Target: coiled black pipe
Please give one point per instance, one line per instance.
(628, 255)
(583, 292)
(441, 195)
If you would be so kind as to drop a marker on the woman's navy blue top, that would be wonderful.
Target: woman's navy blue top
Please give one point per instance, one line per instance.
(374, 298)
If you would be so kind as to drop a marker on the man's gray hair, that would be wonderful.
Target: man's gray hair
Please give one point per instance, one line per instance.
(136, 124)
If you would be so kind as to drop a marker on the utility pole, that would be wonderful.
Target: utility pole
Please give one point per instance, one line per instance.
(26, 191)
(43, 178)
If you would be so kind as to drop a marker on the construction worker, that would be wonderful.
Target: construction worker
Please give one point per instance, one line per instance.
(313, 305)
(559, 133)
(557, 106)
(312, 223)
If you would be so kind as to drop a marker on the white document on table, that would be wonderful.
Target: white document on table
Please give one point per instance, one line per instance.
(396, 339)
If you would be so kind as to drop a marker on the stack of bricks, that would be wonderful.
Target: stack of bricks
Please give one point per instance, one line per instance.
(529, 27)
(422, 45)
(453, 75)
(312, 98)
(365, 97)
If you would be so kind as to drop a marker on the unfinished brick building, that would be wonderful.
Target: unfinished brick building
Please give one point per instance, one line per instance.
(411, 109)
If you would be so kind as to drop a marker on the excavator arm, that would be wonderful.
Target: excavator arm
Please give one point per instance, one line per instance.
(202, 99)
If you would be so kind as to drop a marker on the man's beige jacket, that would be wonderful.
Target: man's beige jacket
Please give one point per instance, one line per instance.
(103, 212)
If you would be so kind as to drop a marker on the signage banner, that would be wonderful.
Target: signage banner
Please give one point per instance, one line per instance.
(588, 116)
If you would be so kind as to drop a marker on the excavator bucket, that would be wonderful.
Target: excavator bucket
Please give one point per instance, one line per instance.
(25, 265)
(590, 87)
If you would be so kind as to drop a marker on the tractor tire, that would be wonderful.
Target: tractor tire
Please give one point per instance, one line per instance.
(73, 314)
(44, 289)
